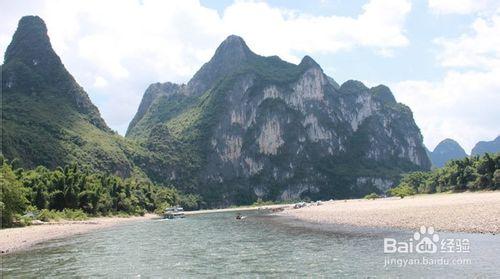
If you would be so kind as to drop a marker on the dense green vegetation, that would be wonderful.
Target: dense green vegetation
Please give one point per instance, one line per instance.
(74, 191)
(372, 196)
(470, 173)
(402, 191)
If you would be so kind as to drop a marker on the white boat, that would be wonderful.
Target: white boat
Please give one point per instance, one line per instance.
(174, 212)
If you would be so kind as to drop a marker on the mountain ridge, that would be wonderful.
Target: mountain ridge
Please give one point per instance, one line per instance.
(244, 127)
(482, 147)
(31, 48)
(448, 149)
(48, 118)
(235, 134)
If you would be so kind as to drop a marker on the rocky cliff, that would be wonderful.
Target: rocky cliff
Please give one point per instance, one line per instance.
(247, 127)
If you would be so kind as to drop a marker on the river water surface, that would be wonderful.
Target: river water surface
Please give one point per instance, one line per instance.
(216, 244)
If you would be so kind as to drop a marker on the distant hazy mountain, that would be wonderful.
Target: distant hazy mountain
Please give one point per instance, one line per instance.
(446, 150)
(486, 146)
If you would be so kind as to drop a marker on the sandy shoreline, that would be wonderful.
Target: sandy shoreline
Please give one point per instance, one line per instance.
(463, 212)
(17, 239)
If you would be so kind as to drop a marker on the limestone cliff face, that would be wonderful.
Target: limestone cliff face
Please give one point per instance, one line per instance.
(259, 127)
(153, 97)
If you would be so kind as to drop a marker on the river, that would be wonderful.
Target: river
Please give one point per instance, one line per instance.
(216, 244)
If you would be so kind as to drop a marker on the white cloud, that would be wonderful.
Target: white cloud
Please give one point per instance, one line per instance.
(123, 45)
(464, 104)
(100, 82)
(462, 6)
(273, 31)
(480, 49)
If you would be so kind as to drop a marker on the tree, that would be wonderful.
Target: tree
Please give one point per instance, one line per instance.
(496, 178)
(402, 191)
(372, 196)
(416, 180)
(190, 202)
(474, 173)
(77, 188)
(12, 196)
(56, 200)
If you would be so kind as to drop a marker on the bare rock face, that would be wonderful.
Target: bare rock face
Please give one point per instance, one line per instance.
(249, 127)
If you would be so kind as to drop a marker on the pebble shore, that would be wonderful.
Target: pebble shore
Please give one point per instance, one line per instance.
(477, 212)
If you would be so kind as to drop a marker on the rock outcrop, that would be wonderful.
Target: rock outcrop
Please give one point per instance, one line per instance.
(247, 127)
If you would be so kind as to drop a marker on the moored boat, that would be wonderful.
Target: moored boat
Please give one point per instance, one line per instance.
(174, 212)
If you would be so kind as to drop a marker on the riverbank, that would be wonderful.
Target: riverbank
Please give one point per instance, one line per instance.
(477, 212)
(240, 209)
(472, 212)
(16, 239)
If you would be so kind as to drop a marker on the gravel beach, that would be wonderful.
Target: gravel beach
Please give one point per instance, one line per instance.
(477, 212)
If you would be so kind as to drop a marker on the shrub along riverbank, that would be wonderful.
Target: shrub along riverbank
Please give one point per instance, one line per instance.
(468, 174)
(75, 192)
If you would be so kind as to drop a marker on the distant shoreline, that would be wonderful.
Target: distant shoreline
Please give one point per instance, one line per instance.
(238, 209)
(469, 212)
(24, 238)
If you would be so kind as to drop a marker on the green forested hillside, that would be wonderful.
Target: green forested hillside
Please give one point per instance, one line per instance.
(47, 118)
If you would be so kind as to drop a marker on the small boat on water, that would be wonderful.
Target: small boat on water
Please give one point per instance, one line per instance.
(240, 217)
(174, 212)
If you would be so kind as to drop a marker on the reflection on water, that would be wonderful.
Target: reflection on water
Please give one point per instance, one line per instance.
(217, 244)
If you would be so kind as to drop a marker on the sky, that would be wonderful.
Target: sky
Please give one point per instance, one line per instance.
(439, 57)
